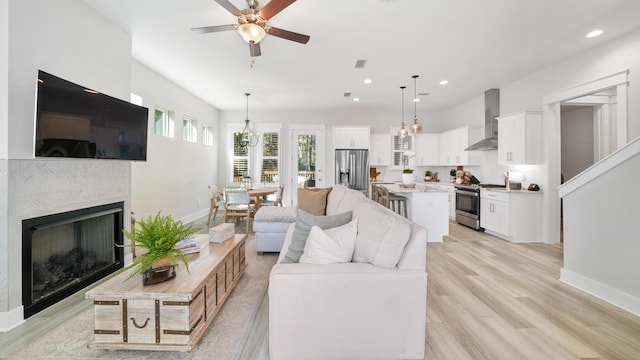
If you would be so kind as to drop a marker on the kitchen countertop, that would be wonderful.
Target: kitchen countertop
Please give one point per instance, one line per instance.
(503, 190)
(396, 188)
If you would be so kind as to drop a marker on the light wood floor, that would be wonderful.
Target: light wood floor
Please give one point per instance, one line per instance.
(490, 299)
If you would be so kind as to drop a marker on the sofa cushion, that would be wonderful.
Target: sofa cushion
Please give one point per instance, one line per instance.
(382, 237)
(313, 201)
(330, 246)
(275, 214)
(304, 223)
(342, 199)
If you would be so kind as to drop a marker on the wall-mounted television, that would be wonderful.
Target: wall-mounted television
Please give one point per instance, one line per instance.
(78, 122)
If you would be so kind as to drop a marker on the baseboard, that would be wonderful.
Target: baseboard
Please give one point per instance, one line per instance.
(601, 291)
(11, 319)
(195, 216)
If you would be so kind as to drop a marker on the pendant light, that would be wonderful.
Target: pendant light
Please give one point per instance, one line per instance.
(403, 132)
(415, 128)
(248, 137)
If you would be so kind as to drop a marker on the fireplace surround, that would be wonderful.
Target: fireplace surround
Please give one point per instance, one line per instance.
(65, 252)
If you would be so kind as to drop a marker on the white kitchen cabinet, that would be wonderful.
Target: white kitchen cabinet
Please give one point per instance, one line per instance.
(356, 137)
(520, 138)
(515, 216)
(427, 149)
(494, 212)
(380, 150)
(453, 142)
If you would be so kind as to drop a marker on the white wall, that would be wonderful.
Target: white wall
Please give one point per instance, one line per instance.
(67, 39)
(601, 255)
(577, 132)
(4, 78)
(175, 176)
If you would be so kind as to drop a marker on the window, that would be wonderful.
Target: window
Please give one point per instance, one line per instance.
(261, 162)
(269, 170)
(207, 135)
(189, 129)
(163, 124)
(240, 157)
(400, 145)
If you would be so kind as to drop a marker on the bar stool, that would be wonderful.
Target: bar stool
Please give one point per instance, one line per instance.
(398, 204)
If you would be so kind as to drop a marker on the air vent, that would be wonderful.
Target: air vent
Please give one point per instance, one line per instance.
(347, 94)
(423, 94)
(360, 64)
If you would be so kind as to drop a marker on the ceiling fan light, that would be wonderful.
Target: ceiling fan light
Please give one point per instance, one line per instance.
(251, 32)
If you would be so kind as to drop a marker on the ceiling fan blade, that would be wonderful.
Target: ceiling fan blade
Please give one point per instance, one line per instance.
(210, 29)
(229, 6)
(273, 8)
(288, 35)
(254, 49)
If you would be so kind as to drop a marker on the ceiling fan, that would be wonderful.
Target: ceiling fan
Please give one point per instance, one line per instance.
(252, 23)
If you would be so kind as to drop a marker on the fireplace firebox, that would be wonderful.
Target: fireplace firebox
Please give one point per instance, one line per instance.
(65, 252)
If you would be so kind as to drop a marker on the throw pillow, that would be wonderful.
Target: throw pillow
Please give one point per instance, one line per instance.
(313, 201)
(342, 199)
(331, 246)
(304, 223)
(382, 237)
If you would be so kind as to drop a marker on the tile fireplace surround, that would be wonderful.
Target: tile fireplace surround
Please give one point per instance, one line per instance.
(32, 188)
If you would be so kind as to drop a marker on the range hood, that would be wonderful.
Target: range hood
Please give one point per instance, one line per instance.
(491, 112)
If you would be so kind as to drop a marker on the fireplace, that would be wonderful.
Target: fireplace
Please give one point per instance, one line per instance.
(65, 252)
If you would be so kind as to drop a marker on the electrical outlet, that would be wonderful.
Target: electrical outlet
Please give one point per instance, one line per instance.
(198, 203)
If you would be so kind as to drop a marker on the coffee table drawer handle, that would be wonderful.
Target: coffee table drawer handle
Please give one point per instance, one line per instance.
(140, 326)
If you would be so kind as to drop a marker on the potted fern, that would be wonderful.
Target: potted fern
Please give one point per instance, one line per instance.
(158, 235)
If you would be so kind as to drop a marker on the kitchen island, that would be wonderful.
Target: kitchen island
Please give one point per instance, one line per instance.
(427, 206)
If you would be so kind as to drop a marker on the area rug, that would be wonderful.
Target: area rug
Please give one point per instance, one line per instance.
(224, 339)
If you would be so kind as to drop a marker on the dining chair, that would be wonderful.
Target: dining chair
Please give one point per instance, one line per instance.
(214, 198)
(278, 198)
(237, 204)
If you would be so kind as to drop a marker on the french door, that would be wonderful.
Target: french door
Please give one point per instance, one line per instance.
(307, 158)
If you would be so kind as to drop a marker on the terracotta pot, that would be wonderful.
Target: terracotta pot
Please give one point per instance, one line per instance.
(161, 262)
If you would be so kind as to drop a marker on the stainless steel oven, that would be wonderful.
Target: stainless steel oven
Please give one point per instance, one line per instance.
(468, 206)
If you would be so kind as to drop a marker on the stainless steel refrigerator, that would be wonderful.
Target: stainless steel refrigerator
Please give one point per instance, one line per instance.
(352, 169)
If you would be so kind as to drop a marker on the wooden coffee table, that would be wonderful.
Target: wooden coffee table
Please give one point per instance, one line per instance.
(172, 315)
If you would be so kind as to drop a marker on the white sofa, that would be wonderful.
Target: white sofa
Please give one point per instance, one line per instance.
(350, 310)
(270, 225)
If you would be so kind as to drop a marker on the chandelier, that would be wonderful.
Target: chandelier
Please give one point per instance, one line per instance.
(403, 132)
(248, 137)
(415, 128)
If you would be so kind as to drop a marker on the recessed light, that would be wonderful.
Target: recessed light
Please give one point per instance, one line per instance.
(367, 81)
(444, 82)
(416, 100)
(595, 33)
(356, 99)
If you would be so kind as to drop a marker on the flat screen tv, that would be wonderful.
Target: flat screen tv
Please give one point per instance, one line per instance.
(77, 122)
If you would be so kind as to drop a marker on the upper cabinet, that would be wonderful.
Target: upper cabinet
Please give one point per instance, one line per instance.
(427, 149)
(453, 142)
(352, 137)
(520, 138)
(380, 151)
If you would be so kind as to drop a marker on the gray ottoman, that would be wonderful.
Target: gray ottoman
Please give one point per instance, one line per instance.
(270, 225)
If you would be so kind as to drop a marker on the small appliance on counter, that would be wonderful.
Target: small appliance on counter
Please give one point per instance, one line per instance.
(514, 180)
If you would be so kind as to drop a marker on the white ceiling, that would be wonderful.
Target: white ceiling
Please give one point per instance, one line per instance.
(475, 44)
